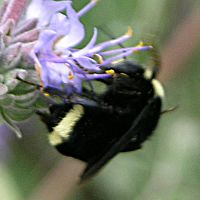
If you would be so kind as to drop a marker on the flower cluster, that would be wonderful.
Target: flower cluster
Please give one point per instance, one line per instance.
(17, 38)
(59, 63)
(50, 39)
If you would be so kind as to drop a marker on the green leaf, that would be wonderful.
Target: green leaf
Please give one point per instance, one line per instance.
(26, 100)
(6, 100)
(18, 114)
(11, 124)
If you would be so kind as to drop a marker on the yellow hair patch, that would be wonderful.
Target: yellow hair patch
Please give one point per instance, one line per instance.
(65, 127)
(55, 139)
(159, 91)
(148, 73)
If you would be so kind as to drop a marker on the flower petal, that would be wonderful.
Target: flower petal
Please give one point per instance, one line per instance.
(90, 45)
(45, 42)
(76, 32)
(60, 24)
(109, 43)
(88, 64)
(43, 10)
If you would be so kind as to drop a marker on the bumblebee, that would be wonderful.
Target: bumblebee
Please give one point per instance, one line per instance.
(120, 119)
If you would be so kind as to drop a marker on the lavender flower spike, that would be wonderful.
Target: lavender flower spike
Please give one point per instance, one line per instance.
(64, 67)
(17, 38)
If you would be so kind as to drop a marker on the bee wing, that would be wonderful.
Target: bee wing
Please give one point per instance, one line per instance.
(144, 124)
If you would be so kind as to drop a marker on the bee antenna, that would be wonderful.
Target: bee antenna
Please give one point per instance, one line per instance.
(28, 82)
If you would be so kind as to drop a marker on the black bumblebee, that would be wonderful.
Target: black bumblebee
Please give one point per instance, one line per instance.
(121, 119)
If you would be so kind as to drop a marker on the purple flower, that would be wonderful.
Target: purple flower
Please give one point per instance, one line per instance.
(59, 63)
(43, 10)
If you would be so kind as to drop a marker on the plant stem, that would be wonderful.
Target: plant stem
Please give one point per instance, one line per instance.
(14, 10)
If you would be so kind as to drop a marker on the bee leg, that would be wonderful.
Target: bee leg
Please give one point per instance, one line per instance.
(141, 128)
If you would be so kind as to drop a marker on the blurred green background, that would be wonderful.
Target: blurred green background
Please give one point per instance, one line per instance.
(168, 165)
